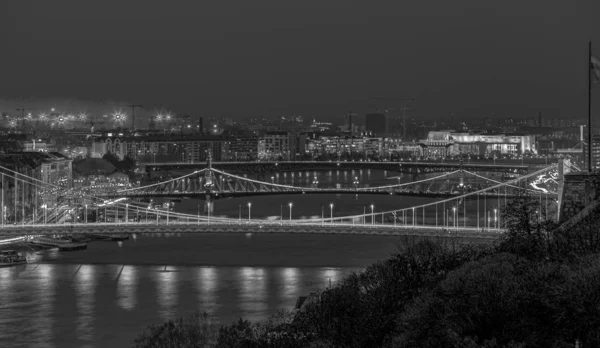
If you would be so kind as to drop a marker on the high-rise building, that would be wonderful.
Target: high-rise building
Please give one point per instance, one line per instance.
(377, 124)
(595, 153)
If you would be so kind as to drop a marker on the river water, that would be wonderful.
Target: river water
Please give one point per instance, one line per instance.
(106, 295)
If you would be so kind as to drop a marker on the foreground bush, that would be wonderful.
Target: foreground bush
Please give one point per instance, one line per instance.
(361, 310)
(507, 301)
(194, 332)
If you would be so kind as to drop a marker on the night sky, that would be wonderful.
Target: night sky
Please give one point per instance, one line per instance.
(245, 58)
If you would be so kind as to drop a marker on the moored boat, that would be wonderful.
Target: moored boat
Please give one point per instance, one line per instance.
(11, 258)
(63, 244)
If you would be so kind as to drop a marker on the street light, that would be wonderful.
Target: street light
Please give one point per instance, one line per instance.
(86, 213)
(43, 206)
(454, 217)
(372, 214)
(290, 204)
(331, 211)
(496, 217)
(356, 182)
(249, 211)
(207, 212)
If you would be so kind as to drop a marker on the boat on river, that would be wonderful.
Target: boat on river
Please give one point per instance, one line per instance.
(63, 244)
(11, 258)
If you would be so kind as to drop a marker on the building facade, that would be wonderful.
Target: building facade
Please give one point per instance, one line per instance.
(20, 201)
(243, 148)
(446, 143)
(281, 146)
(162, 148)
(344, 145)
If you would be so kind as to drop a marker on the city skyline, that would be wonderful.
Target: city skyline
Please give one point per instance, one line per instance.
(324, 59)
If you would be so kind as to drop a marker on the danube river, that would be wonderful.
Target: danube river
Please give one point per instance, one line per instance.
(106, 295)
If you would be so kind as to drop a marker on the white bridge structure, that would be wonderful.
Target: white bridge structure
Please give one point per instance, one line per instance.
(472, 204)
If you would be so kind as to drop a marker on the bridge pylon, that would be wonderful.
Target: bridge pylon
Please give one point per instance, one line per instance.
(208, 184)
(461, 174)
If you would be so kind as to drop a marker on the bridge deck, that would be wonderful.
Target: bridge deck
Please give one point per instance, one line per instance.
(246, 227)
(401, 167)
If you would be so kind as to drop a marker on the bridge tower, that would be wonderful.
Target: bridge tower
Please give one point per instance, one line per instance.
(208, 184)
(461, 175)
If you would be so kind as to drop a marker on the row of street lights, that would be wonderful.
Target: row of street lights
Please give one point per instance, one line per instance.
(290, 205)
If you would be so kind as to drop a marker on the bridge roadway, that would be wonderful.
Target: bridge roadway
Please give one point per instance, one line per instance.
(263, 168)
(306, 227)
(227, 194)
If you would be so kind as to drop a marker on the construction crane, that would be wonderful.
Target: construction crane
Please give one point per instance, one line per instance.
(132, 106)
(403, 109)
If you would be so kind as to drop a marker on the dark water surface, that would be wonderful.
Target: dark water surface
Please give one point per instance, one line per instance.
(106, 295)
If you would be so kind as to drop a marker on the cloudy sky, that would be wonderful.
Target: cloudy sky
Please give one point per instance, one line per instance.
(246, 58)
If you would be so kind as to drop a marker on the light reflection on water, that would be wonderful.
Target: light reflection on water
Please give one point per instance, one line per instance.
(206, 284)
(167, 291)
(43, 292)
(85, 287)
(290, 277)
(126, 288)
(253, 289)
(106, 295)
(39, 299)
(332, 275)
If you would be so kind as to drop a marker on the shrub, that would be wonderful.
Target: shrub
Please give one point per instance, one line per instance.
(195, 332)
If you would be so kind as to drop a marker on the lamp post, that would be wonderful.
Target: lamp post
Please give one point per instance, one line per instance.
(290, 204)
(372, 214)
(356, 182)
(249, 211)
(126, 213)
(208, 213)
(86, 213)
(198, 215)
(454, 217)
(496, 217)
(331, 211)
(43, 206)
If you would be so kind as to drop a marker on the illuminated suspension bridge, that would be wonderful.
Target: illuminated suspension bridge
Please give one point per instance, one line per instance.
(32, 207)
(211, 183)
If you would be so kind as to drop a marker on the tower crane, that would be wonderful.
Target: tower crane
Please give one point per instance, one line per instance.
(403, 109)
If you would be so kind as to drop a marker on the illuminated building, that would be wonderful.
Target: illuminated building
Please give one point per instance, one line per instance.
(50, 168)
(595, 153)
(279, 145)
(344, 145)
(446, 143)
(161, 148)
(242, 149)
